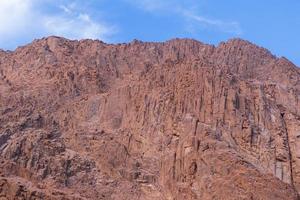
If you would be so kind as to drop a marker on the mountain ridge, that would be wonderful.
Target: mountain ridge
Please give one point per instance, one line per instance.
(171, 120)
(238, 42)
(231, 40)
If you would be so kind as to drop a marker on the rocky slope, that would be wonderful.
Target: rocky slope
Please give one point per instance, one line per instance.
(173, 120)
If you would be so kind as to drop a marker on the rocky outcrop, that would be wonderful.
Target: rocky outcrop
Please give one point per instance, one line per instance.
(173, 120)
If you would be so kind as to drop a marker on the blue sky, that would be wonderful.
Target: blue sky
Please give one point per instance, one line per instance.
(274, 24)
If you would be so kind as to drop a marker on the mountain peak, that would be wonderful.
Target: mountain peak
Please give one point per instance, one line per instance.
(148, 120)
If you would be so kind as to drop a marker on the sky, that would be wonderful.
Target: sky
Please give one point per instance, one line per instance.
(273, 24)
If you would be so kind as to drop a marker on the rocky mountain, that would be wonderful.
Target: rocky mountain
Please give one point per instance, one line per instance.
(151, 121)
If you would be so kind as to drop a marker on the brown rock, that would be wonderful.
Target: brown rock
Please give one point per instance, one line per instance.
(173, 120)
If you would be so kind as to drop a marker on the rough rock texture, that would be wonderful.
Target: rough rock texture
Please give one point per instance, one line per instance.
(173, 120)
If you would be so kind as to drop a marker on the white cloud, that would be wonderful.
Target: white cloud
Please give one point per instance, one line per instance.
(75, 25)
(65, 9)
(228, 27)
(25, 18)
(75, 28)
(186, 9)
(15, 15)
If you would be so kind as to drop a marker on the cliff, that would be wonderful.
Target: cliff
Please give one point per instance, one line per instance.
(173, 120)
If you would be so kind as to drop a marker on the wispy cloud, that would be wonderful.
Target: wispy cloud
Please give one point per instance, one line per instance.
(25, 18)
(75, 24)
(150, 5)
(224, 26)
(188, 11)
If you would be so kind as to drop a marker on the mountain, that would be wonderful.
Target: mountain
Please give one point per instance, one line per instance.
(155, 121)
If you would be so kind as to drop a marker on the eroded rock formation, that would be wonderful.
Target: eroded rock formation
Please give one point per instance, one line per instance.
(173, 120)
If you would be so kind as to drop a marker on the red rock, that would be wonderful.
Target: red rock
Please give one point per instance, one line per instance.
(173, 120)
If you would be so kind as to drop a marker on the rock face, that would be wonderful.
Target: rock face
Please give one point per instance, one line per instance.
(173, 120)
